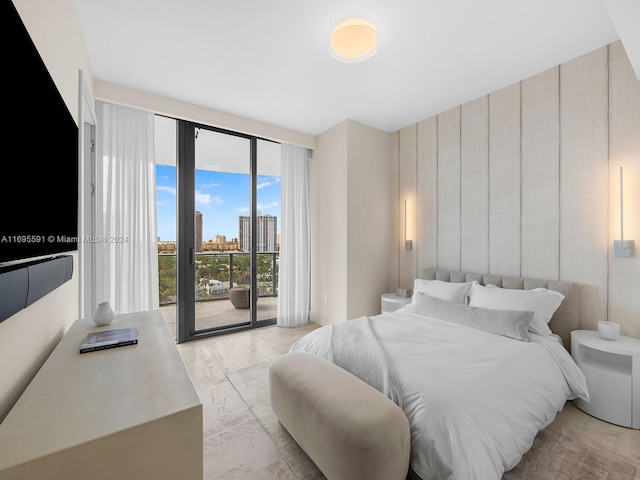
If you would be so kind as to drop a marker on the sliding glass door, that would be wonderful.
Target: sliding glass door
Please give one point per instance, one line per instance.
(222, 190)
(226, 253)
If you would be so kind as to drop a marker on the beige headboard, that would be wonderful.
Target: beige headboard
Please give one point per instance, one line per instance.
(564, 320)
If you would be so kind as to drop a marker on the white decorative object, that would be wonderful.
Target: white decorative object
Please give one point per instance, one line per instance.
(104, 315)
(609, 330)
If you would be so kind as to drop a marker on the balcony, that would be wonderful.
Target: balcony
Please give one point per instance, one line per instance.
(216, 273)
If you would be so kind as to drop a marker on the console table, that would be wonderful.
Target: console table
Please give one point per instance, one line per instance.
(126, 412)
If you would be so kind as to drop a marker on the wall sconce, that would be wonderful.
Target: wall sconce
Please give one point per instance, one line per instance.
(408, 244)
(622, 247)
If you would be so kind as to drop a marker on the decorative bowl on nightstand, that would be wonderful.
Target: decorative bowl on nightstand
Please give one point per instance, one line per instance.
(609, 330)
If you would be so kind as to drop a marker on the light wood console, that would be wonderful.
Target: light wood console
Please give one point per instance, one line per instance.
(126, 412)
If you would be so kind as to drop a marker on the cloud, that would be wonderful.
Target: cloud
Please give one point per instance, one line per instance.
(206, 199)
(169, 190)
(205, 186)
(260, 207)
(267, 182)
(267, 206)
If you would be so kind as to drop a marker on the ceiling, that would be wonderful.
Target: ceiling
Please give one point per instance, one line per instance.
(270, 61)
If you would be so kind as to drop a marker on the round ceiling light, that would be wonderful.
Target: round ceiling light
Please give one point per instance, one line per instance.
(354, 40)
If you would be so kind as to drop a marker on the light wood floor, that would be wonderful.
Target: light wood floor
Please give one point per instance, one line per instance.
(236, 447)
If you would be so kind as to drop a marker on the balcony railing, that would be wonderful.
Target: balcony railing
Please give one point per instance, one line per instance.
(218, 272)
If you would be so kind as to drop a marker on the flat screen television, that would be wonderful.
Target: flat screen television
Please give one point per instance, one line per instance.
(39, 194)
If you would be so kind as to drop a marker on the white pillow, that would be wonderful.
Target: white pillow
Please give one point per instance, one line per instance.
(453, 292)
(541, 301)
(509, 323)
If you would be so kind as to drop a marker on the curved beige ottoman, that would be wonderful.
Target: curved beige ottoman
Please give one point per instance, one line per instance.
(349, 429)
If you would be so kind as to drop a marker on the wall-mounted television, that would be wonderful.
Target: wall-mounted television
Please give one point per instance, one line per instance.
(39, 194)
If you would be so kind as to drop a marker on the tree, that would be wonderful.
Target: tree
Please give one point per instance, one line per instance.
(167, 278)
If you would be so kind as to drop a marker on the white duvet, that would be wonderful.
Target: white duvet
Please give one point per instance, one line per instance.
(475, 400)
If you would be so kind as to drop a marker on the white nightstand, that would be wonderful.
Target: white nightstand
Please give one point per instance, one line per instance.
(612, 369)
(390, 302)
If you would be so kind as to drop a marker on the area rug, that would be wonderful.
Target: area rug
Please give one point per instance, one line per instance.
(553, 456)
(252, 384)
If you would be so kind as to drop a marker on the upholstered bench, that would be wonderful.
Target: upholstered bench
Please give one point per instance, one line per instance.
(351, 431)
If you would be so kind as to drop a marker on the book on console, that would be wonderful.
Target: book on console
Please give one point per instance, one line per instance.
(109, 339)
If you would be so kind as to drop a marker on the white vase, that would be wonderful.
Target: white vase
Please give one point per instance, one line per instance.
(103, 315)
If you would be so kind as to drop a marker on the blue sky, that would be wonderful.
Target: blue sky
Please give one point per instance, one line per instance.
(221, 197)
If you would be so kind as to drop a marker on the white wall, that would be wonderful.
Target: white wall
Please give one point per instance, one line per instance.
(350, 234)
(524, 182)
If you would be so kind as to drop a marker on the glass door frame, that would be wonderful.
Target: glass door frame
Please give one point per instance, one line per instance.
(185, 253)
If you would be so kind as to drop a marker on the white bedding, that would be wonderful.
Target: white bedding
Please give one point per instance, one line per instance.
(475, 400)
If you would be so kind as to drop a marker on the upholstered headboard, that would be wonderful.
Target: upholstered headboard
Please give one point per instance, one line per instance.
(566, 318)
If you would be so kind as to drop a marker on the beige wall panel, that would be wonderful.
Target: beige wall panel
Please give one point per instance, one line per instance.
(449, 189)
(624, 151)
(368, 218)
(407, 155)
(540, 254)
(395, 218)
(555, 142)
(504, 181)
(474, 186)
(427, 241)
(583, 181)
(329, 227)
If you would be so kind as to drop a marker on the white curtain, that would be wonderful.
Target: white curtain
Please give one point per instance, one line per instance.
(295, 251)
(126, 255)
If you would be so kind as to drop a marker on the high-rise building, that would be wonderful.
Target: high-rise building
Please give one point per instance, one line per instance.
(266, 235)
(198, 231)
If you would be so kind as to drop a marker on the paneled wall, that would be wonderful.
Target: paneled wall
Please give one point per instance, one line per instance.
(524, 182)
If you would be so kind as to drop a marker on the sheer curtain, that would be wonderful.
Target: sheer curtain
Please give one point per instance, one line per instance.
(295, 251)
(126, 255)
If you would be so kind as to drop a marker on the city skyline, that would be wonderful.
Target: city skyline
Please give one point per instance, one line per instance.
(221, 197)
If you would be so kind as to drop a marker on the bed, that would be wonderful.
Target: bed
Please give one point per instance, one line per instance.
(478, 363)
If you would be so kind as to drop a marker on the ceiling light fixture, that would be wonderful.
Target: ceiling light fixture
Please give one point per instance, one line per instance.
(354, 40)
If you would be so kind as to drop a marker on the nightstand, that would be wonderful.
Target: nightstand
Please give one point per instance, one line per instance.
(390, 302)
(612, 370)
